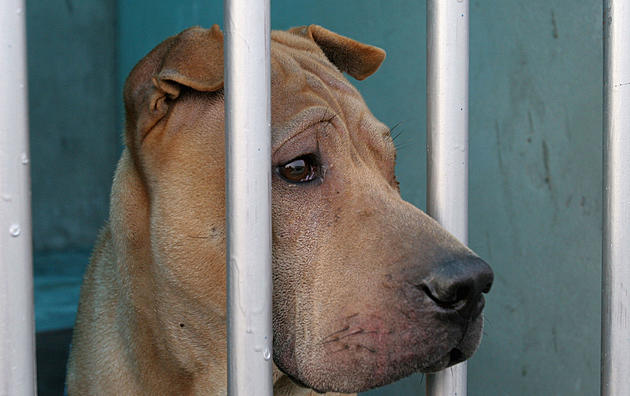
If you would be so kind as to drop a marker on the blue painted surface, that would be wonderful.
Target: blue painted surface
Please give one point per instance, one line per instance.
(58, 277)
(72, 116)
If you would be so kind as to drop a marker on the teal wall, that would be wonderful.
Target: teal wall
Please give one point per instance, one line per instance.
(535, 162)
(73, 119)
(535, 188)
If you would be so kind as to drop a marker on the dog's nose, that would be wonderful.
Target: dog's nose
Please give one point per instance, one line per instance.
(458, 284)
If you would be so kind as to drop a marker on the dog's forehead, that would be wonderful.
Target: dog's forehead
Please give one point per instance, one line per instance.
(305, 84)
(294, 55)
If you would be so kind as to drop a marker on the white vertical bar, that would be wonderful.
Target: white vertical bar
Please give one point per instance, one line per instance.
(447, 141)
(248, 152)
(17, 341)
(616, 236)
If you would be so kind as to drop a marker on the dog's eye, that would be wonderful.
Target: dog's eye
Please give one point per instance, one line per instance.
(300, 170)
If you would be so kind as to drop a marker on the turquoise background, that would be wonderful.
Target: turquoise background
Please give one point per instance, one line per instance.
(535, 154)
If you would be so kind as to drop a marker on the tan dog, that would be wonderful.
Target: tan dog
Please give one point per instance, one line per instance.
(367, 288)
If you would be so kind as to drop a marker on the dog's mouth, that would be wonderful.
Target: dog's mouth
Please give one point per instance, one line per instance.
(357, 348)
(464, 349)
(370, 348)
(455, 356)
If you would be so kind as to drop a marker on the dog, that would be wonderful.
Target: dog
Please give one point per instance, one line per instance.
(367, 288)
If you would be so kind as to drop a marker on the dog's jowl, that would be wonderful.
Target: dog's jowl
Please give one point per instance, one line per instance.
(367, 288)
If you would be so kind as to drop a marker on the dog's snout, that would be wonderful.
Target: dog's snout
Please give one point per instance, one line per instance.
(459, 282)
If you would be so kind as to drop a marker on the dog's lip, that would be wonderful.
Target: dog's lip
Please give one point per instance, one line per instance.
(456, 356)
(480, 304)
(451, 358)
(459, 352)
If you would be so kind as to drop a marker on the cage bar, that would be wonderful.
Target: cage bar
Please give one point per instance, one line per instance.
(17, 339)
(447, 141)
(248, 179)
(615, 358)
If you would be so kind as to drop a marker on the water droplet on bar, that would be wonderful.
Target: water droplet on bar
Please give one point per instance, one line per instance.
(267, 354)
(14, 230)
(24, 159)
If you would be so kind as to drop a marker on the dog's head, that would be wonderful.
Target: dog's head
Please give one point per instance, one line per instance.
(366, 287)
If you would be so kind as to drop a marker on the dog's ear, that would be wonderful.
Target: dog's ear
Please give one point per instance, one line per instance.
(357, 59)
(193, 59)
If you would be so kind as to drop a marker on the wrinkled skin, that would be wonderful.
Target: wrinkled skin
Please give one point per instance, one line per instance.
(362, 285)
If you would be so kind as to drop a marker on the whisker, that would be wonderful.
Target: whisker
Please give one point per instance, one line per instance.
(341, 349)
(335, 333)
(421, 378)
(403, 145)
(359, 331)
(366, 348)
(396, 125)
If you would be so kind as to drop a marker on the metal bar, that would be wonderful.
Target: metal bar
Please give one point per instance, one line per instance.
(248, 178)
(616, 231)
(447, 141)
(17, 340)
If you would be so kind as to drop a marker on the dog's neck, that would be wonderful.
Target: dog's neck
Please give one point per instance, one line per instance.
(143, 353)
